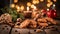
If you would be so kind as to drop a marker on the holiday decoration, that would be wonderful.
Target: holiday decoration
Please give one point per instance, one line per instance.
(52, 13)
(13, 13)
(29, 17)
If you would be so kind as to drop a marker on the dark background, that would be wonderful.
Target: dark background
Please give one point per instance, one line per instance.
(3, 3)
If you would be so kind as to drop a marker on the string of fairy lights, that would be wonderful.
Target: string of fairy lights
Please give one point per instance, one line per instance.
(32, 4)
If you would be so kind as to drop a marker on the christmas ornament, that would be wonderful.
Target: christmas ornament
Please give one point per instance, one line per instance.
(51, 13)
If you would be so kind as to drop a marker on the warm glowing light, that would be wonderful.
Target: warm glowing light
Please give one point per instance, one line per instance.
(47, 9)
(48, 5)
(27, 8)
(53, 5)
(41, 0)
(35, 1)
(12, 5)
(22, 7)
(35, 7)
(18, 7)
(54, 0)
(32, 6)
(18, 10)
(48, 0)
(28, 4)
(15, 1)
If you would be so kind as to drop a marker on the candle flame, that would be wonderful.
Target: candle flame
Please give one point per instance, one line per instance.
(27, 8)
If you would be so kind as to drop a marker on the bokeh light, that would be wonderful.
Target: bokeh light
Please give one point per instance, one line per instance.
(48, 5)
(32, 6)
(22, 8)
(41, 0)
(48, 0)
(54, 0)
(15, 1)
(27, 8)
(28, 4)
(35, 1)
(12, 5)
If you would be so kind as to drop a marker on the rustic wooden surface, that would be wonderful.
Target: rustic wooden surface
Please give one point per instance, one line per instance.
(6, 29)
